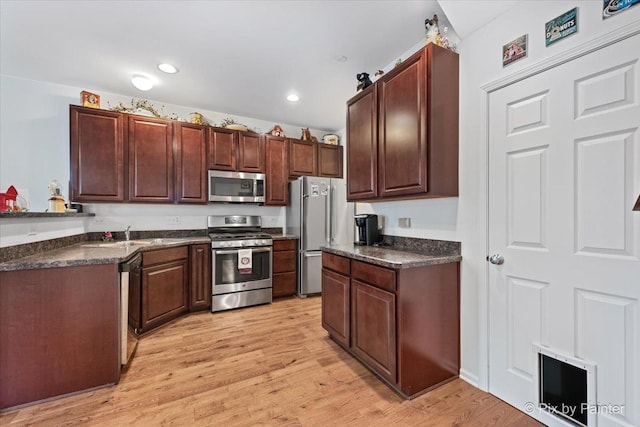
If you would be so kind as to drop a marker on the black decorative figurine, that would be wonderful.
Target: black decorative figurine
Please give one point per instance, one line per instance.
(363, 81)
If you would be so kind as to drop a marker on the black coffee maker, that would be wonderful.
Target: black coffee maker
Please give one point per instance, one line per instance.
(367, 229)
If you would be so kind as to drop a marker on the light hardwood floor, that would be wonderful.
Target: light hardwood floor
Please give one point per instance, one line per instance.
(264, 365)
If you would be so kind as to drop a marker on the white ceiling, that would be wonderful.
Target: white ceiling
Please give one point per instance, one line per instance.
(235, 57)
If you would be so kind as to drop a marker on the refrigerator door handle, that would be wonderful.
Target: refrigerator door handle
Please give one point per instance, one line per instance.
(327, 219)
(334, 214)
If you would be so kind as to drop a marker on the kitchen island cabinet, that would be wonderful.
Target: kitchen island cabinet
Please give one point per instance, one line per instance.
(402, 323)
(58, 331)
(403, 131)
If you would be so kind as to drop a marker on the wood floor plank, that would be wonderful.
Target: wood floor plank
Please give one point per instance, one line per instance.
(271, 365)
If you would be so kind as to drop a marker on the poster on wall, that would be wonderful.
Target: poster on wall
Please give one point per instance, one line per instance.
(514, 50)
(613, 7)
(561, 26)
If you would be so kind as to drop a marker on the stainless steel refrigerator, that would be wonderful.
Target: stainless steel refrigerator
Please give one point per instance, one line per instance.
(319, 214)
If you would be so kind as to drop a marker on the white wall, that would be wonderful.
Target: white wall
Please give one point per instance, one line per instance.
(34, 149)
(462, 219)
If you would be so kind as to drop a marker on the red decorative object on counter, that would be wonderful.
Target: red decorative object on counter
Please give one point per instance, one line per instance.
(8, 200)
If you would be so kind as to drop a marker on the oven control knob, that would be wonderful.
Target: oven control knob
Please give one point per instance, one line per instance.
(243, 244)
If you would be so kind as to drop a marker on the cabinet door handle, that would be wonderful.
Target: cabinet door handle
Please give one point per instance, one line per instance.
(235, 251)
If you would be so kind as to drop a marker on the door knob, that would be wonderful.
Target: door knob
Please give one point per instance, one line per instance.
(496, 259)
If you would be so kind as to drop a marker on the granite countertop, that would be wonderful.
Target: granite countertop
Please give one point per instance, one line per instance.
(95, 252)
(393, 256)
(284, 237)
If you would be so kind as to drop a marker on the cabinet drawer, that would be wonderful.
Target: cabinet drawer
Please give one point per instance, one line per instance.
(284, 284)
(336, 263)
(379, 276)
(164, 255)
(285, 245)
(284, 262)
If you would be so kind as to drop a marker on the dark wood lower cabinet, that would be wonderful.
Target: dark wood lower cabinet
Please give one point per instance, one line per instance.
(373, 328)
(404, 324)
(58, 331)
(200, 277)
(165, 293)
(335, 305)
(285, 270)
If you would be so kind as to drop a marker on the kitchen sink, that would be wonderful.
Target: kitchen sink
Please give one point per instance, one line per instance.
(122, 244)
(132, 243)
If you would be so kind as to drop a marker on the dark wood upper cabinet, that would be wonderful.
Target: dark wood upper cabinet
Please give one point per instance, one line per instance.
(251, 154)
(277, 171)
(222, 149)
(97, 155)
(307, 158)
(150, 160)
(402, 142)
(362, 145)
(416, 141)
(303, 158)
(330, 160)
(191, 163)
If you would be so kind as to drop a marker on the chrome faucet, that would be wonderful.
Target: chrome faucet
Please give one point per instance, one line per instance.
(127, 233)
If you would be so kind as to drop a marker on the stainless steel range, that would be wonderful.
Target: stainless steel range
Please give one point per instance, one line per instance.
(241, 262)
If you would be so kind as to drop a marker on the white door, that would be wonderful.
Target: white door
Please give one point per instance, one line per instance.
(564, 172)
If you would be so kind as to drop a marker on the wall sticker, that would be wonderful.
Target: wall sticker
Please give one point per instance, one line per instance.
(561, 26)
(613, 7)
(514, 50)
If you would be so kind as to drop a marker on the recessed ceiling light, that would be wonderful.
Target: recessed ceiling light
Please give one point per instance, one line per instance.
(293, 97)
(141, 82)
(168, 68)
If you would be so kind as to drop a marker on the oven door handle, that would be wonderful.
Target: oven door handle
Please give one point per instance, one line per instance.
(235, 251)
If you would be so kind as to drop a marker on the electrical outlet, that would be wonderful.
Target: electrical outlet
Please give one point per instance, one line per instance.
(98, 220)
(174, 220)
(404, 222)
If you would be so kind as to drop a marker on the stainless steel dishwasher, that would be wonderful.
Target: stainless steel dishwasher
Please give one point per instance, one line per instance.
(130, 283)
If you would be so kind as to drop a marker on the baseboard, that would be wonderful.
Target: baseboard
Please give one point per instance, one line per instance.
(469, 378)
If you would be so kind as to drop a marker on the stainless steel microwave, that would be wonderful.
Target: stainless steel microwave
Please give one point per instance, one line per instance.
(236, 187)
